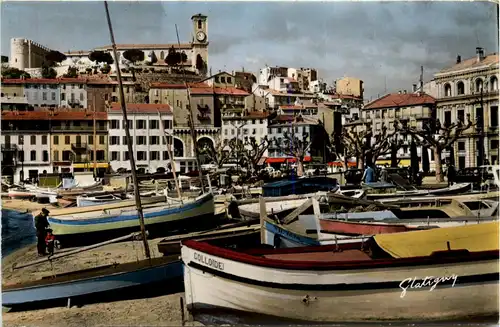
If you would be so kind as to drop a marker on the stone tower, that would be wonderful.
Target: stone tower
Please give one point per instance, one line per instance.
(200, 42)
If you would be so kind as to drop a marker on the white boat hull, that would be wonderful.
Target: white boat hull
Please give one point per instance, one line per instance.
(337, 295)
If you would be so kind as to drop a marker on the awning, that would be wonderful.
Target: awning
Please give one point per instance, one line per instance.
(90, 165)
(340, 164)
(292, 160)
(275, 160)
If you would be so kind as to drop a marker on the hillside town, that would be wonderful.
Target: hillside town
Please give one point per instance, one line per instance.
(141, 184)
(52, 102)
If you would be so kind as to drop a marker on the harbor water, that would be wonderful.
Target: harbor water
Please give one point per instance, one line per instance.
(17, 231)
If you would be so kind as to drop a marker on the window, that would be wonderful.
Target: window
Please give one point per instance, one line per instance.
(63, 96)
(202, 102)
(56, 139)
(53, 94)
(460, 88)
(165, 155)
(225, 132)
(447, 90)
(461, 162)
(64, 86)
(494, 116)
(81, 86)
(154, 155)
(78, 139)
(56, 155)
(447, 118)
(494, 144)
(216, 79)
(162, 55)
(125, 140)
(141, 140)
(154, 124)
(33, 155)
(279, 130)
(115, 124)
(67, 139)
(44, 96)
(141, 155)
(199, 24)
(168, 140)
(167, 124)
(81, 96)
(102, 139)
(461, 146)
(222, 79)
(460, 115)
(72, 97)
(35, 96)
(229, 79)
(140, 124)
(125, 155)
(154, 140)
(45, 155)
(479, 85)
(493, 83)
(114, 140)
(91, 139)
(33, 140)
(115, 156)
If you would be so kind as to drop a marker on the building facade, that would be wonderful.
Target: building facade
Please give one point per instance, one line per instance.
(349, 86)
(470, 87)
(149, 142)
(244, 126)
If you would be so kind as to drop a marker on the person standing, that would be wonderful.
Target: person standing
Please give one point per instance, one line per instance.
(384, 175)
(369, 175)
(41, 223)
(451, 174)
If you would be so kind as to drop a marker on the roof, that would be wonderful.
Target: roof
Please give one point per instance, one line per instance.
(162, 85)
(153, 46)
(60, 114)
(220, 73)
(57, 81)
(298, 107)
(141, 108)
(400, 100)
(201, 90)
(491, 59)
(230, 91)
(344, 96)
(249, 115)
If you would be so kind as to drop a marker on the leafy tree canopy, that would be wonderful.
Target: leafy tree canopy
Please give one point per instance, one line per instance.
(5, 59)
(134, 55)
(72, 72)
(101, 56)
(54, 56)
(174, 57)
(48, 72)
(14, 73)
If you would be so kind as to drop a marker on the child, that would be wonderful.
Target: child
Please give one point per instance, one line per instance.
(49, 241)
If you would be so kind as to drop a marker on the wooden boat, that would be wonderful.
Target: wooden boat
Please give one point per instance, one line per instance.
(438, 274)
(86, 201)
(454, 189)
(360, 228)
(306, 230)
(356, 194)
(160, 218)
(20, 193)
(99, 281)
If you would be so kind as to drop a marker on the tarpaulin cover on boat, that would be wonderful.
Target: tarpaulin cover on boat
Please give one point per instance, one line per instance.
(474, 237)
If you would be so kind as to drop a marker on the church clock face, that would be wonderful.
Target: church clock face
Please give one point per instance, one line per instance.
(200, 36)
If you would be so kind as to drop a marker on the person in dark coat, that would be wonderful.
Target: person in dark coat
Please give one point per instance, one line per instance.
(41, 223)
(451, 174)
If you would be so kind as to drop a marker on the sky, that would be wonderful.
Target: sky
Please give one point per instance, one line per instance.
(382, 43)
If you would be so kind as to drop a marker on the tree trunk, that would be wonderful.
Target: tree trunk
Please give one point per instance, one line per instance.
(361, 162)
(300, 167)
(438, 165)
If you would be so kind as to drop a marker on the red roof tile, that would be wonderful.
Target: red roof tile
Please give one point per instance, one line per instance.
(146, 46)
(45, 81)
(161, 85)
(201, 90)
(230, 91)
(142, 107)
(344, 96)
(56, 115)
(400, 100)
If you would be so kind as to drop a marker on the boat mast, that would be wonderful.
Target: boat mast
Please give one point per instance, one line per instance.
(191, 120)
(95, 144)
(129, 140)
(172, 162)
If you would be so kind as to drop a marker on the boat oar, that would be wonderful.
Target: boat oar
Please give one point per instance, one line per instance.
(86, 248)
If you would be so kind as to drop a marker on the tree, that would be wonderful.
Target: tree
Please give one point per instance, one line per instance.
(437, 137)
(71, 73)
(368, 146)
(134, 56)
(152, 58)
(254, 151)
(105, 69)
(53, 57)
(14, 73)
(48, 72)
(215, 154)
(101, 57)
(5, 59)
(175, 58)
(201, 65)
(296, 146)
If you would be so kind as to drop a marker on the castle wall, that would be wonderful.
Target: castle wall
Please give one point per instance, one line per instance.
(26, 54)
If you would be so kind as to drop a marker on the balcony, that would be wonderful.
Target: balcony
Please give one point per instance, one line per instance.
(78, 128)
(79, 146)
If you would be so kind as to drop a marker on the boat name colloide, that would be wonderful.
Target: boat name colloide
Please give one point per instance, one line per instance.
(429, 281)
(208, 261)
